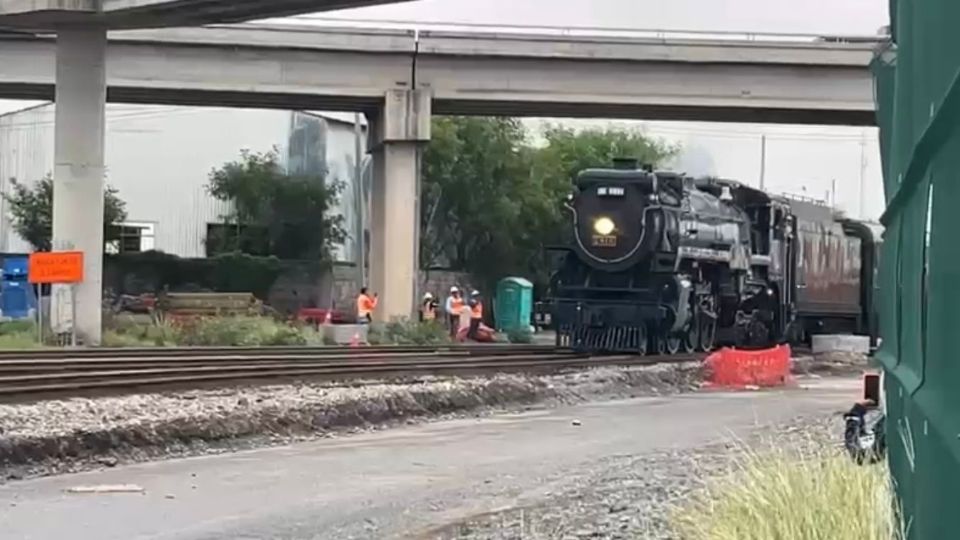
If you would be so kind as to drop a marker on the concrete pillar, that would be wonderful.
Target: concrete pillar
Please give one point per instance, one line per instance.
(397, 135)
(81, 93)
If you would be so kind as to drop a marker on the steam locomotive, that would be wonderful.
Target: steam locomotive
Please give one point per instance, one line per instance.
(663, 262)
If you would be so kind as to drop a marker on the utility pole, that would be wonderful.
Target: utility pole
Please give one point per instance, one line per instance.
(763, 161)
(833, 192)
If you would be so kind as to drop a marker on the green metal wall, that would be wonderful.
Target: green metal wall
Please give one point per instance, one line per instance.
(919, 117)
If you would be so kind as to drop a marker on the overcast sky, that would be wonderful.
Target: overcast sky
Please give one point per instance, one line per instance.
(800, 159)
(787, 16)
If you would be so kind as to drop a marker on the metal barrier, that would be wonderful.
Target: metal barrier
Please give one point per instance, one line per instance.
(918, 111)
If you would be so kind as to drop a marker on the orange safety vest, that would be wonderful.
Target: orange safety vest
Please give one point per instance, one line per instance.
(457, 305)
(476, 312)
(365, 305)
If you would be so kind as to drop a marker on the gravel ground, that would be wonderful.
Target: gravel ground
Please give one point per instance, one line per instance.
(832, 363)
(69, 435)
(632, 497)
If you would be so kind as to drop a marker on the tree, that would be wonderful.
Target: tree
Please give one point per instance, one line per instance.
(568, 151)
(467, 183)
(491, 201)
(275, 213)
(31, 212)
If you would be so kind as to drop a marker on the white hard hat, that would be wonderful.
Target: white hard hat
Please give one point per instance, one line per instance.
(427, 296)
(475, 293)
(454, 289)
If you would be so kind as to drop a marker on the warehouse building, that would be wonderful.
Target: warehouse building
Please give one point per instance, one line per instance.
(159, 159)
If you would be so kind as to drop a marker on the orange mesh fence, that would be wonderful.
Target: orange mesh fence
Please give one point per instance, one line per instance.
(734, 368)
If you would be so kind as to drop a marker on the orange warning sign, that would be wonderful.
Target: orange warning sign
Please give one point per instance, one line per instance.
(56, 267)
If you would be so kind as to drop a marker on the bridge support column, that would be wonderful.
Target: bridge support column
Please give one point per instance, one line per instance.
(78, 174)
(397, 136)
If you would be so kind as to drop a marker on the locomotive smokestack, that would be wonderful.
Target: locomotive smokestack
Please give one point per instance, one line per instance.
(625, 164)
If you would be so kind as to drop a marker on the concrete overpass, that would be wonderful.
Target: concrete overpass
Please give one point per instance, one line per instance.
(399, 79)
(470, 73)
(53, 14)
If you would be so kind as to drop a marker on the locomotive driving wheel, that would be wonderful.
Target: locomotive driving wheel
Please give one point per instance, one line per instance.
(673, 343)
(707, 332)
(691, 338)
(660, 344)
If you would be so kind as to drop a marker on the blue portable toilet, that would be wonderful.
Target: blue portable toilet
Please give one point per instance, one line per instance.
(17, 299)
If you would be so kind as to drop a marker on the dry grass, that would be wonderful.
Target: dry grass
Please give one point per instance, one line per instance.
(776, 495)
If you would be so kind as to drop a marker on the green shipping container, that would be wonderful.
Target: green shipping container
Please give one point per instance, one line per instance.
(918, 110)
(513, 306)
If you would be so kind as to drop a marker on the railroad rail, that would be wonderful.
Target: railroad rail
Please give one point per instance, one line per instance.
(62, 372)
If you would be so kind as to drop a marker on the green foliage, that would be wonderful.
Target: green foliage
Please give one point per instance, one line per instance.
(407, 332)
(520, 335)
(17, 327)
(137, 330)
(569, 151)
(152, 271)
(31, 212)
(275, 213)
(115, 339)
(239, 272)
(19, 334)
(127, 330)
(239, 332)
(491, 200)
(19, 340)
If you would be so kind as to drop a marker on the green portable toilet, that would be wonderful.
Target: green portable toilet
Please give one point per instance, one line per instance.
(513, 305)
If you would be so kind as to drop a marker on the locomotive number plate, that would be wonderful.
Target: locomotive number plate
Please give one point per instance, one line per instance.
(607, 240)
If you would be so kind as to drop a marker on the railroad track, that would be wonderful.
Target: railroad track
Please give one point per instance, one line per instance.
(66, 372)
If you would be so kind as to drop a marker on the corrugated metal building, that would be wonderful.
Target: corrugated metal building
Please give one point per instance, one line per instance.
(159, 159)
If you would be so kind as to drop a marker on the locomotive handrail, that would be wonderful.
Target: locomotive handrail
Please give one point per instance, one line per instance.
(805, 198)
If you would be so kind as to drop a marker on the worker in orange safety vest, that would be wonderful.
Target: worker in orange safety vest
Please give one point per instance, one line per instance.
(453, 307)
(476, 314)
(365, 306)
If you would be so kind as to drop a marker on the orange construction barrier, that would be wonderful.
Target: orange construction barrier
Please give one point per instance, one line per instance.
(734, 368)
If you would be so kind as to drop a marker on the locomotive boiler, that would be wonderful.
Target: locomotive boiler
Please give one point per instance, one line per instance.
(666, 262)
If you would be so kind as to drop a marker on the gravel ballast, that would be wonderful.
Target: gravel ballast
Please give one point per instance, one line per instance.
(633, 497)
(55, 436)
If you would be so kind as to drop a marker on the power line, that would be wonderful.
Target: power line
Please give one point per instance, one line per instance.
(111, 118)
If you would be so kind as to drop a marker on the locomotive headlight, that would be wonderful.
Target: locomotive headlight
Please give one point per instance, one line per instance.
(603, 225)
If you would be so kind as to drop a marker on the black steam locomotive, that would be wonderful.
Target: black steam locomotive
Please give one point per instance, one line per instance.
(664, 262)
